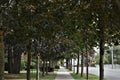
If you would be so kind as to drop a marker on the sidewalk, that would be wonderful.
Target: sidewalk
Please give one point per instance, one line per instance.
(63, 74)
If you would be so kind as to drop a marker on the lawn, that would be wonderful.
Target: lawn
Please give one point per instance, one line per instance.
(50, 76)
(78, 77)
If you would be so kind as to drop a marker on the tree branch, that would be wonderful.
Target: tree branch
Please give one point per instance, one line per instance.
(118, 3)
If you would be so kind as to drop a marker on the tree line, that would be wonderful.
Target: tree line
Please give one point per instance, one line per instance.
(55, 29)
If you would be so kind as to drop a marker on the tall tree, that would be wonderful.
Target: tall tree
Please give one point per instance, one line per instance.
(1, 47)
(1, 56)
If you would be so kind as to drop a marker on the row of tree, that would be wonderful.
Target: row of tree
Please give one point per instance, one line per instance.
(56, 28)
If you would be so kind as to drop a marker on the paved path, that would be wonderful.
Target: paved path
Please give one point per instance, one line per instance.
(63, 74)
(109, 73)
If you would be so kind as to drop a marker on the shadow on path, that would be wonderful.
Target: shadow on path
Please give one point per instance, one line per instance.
(63, 74)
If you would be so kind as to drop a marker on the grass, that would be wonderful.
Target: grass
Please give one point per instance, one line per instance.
(50, 76)
(78, 77)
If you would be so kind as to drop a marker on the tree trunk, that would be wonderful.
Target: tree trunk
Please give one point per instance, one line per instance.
(49, 63)
(43, 68)
(28, 60)
(52, 64)
(102, 43)
(78, 60)
(46, 68)
(67, 63)
(37, 67)
(118, 3)
(1, 56)
(13, 61)
(70, 64)
(87, 61)
(74, 66)
(10, 60)
(17, 63)
(82, 64)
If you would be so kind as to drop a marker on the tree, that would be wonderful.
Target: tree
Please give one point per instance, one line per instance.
(1, 47)
(103, 27)
(60, 25)
(1, 56)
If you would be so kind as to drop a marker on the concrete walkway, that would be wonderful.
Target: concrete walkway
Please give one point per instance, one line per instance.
(63, 74)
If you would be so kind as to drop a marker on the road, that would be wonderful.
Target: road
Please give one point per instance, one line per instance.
(109, 73)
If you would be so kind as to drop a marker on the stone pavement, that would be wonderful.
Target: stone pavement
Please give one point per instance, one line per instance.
(63, 74)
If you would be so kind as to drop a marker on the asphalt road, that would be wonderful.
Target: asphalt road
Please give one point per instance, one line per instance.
(109, 73)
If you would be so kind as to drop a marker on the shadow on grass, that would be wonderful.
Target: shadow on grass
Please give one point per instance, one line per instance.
(50, 76)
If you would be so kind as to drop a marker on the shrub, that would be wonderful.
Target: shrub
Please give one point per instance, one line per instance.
(57, 67)
(22, 66)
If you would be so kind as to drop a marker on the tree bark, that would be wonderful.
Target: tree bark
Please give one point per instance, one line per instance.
(10, 60)
(101, 61)
(86, 55)
(37, 67)
(118, 3)
(28, 60)
(14, 60)
(82, 64)
(1, 56)
(74, 65)
(46, 68)
(70, 64)
(67, 63)
(17, 62)
(78, 60)
(43, 68)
